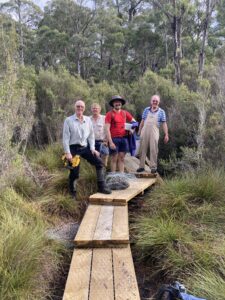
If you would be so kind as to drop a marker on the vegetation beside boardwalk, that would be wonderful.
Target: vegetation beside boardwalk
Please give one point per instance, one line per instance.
(181, 232)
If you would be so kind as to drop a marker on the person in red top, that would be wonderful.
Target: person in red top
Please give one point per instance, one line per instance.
(116, 133)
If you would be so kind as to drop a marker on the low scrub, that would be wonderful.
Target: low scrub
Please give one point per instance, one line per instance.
(23, 250)
(182, 227)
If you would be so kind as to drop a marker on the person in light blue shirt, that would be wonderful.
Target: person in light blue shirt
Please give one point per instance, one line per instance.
(79, 140)
(152, 117)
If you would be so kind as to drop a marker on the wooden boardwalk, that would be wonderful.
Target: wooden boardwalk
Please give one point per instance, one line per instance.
(102, 266)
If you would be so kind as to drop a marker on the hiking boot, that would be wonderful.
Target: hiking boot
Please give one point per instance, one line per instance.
(73, 195)
(103, 188)
(140, 170)
(153, 170)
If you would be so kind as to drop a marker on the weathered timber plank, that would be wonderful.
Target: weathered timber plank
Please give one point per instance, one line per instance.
(101, 282)
(88, 225)
(79, 275)
(104, 226)
(120, 230)
(125, 282)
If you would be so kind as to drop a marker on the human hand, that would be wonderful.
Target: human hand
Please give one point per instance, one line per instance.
(69, 157)
(95, 153)
(166, 138)
(112, 146)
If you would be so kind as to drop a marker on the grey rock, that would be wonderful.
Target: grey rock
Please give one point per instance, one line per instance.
(64, 234)
(117, 181)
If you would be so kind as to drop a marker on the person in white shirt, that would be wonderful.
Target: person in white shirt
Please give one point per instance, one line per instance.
(98, 121)
(79, 139)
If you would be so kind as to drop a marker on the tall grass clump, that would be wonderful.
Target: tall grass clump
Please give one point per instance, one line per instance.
(208, 283)
(23, 250)
(182, 223)
(49, 157)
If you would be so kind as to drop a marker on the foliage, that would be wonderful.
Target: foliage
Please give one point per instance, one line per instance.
(23, 249)
(181, 227)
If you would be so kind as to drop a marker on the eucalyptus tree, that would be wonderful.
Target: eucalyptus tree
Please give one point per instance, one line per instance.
(208, 7)
(75, 21)
(26, 13)
(176, 11)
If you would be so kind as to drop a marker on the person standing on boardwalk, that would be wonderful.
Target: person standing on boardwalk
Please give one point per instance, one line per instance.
(115, 121)
(98, 122)
(79, 141)
(152, 117)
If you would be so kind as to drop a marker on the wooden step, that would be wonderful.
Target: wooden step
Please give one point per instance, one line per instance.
(121, 197)
(100, 274)
(103, 226)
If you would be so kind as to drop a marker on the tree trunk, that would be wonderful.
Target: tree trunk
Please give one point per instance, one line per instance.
(177, 29)
(201, 60)
(21, 34)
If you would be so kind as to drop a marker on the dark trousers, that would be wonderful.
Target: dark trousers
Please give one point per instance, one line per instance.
(85, 153)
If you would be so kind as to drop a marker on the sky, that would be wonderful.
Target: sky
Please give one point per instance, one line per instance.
(40, 3)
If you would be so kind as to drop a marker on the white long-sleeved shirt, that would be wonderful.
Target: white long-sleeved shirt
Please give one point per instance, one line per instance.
(77, 132)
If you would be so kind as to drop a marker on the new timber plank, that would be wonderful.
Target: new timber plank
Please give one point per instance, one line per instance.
(101, 281)
(103, 226)
(88, 224)
(123, 196)
(125, 283)
(120, 230)
(77, 285)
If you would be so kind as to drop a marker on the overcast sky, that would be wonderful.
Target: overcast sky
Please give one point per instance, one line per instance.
(41, 3)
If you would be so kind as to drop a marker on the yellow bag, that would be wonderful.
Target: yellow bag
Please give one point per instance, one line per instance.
(75, 161)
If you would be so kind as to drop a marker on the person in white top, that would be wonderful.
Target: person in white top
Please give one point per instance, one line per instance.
(98, 121)
(79, 139)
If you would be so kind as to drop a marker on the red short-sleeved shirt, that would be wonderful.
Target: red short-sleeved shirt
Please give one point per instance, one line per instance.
(117, 122)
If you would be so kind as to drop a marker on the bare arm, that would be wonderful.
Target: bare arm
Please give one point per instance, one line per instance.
(108, 135)
(165, 130)
(141, 126)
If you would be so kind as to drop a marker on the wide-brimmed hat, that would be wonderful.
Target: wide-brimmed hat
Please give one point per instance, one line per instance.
(118, 98)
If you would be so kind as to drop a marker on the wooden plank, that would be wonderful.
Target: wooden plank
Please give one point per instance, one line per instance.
(103, 229)
(125, 282)
(111, 228)
(77, 285)
(120, 231)
(88, 225)
(122, 196)
(101, 282)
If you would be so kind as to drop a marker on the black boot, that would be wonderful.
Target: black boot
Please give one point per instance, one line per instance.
(72, 189)
(102, 186)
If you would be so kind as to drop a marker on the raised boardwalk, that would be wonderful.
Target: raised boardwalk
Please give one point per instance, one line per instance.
(102, 274)
(121, 197)
(102, 266)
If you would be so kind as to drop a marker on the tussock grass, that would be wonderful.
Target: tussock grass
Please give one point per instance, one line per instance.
(49, 157)
(23, 248)
(25, 186)
(182, 227)
(208, 283)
